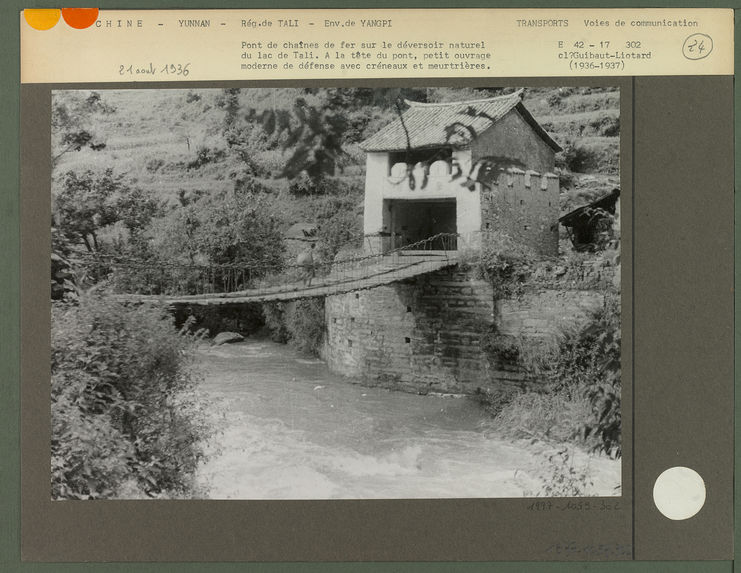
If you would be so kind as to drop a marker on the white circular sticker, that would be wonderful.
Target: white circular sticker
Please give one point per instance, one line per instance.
(679, 493)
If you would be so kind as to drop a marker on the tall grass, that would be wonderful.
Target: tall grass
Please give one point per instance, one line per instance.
(549, 416)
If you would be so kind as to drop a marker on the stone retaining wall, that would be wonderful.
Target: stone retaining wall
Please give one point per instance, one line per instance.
(427, 334)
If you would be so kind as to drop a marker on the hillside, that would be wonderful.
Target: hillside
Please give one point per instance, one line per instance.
(153, 135)
(179, 145)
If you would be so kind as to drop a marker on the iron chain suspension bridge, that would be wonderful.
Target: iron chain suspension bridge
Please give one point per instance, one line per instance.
(135, 280)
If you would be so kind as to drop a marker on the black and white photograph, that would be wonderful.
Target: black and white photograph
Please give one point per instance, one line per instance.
(276, 293)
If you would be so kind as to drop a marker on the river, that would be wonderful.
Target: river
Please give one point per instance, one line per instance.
(291, 429)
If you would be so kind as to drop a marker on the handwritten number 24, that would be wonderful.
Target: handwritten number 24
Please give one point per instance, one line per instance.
(698, 45)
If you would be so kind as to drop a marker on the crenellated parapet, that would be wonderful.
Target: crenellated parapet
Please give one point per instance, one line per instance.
(517, 178)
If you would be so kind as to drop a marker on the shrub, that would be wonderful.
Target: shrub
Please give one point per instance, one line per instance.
(239, 228)
(305, 324)
(579, 158)
(126, 419)
(554, 100)
(302, 185)
(495, 399)
(192, 96)
(245, 319)
(504, 262)
(299, 323)
(274, 316)
(588, 365)
(245, 183)
(204, 156)
(342, 231)
(334, 208)
(604, 389)
(562, 477)
(574, 385)
(154, 165)
(566, 179)
(606, 126)
(62, 279)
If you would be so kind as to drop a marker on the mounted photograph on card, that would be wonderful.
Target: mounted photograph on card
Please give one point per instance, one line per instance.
(457, 288)
(335, 293)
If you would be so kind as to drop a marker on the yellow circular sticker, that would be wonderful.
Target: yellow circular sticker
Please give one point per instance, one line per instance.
(42, 18)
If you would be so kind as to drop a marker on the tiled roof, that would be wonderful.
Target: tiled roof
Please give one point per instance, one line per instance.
(451, 123)
(606, 203)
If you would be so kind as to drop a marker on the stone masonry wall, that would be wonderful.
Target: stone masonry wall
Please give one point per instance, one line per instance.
(525, 206)
(419, 335)
(543, 313)
(426, 334)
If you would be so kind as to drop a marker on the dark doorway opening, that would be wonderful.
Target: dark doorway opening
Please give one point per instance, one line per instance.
(416, 220)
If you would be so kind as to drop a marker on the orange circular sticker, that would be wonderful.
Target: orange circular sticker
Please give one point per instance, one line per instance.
(41, 18)
(80, 17)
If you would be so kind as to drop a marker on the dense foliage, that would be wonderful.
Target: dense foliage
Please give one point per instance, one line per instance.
(90, 201)
(71, 119)
(230, 228)
(305, 324)
(504, 262)
(63, 280)
(300, 323)
(574, 388)
(126, 421)
(600, 341)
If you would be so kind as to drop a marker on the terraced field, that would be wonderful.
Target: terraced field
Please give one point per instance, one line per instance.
(586, 122)
(155, 138)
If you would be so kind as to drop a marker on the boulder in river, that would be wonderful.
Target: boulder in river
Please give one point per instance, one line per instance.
(226, 337)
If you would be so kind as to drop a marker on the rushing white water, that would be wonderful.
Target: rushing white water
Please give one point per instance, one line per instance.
(294, 430)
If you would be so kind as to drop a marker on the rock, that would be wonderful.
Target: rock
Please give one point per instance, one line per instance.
(227, 337)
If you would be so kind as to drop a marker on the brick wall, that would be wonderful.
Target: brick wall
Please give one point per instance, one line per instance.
(425, 334)
(542, 313)
(524, 205)
(418, 335)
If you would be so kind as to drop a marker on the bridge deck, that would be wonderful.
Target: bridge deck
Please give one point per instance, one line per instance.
(387, 270)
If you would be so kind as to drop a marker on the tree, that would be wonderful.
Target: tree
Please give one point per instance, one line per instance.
(91, 201)
(233, 228)
(316, 133)
(240, 228)
(84, 206)
(312, 133)
(135, 209)
(70, 123)
(175, 235)
(314, 125)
